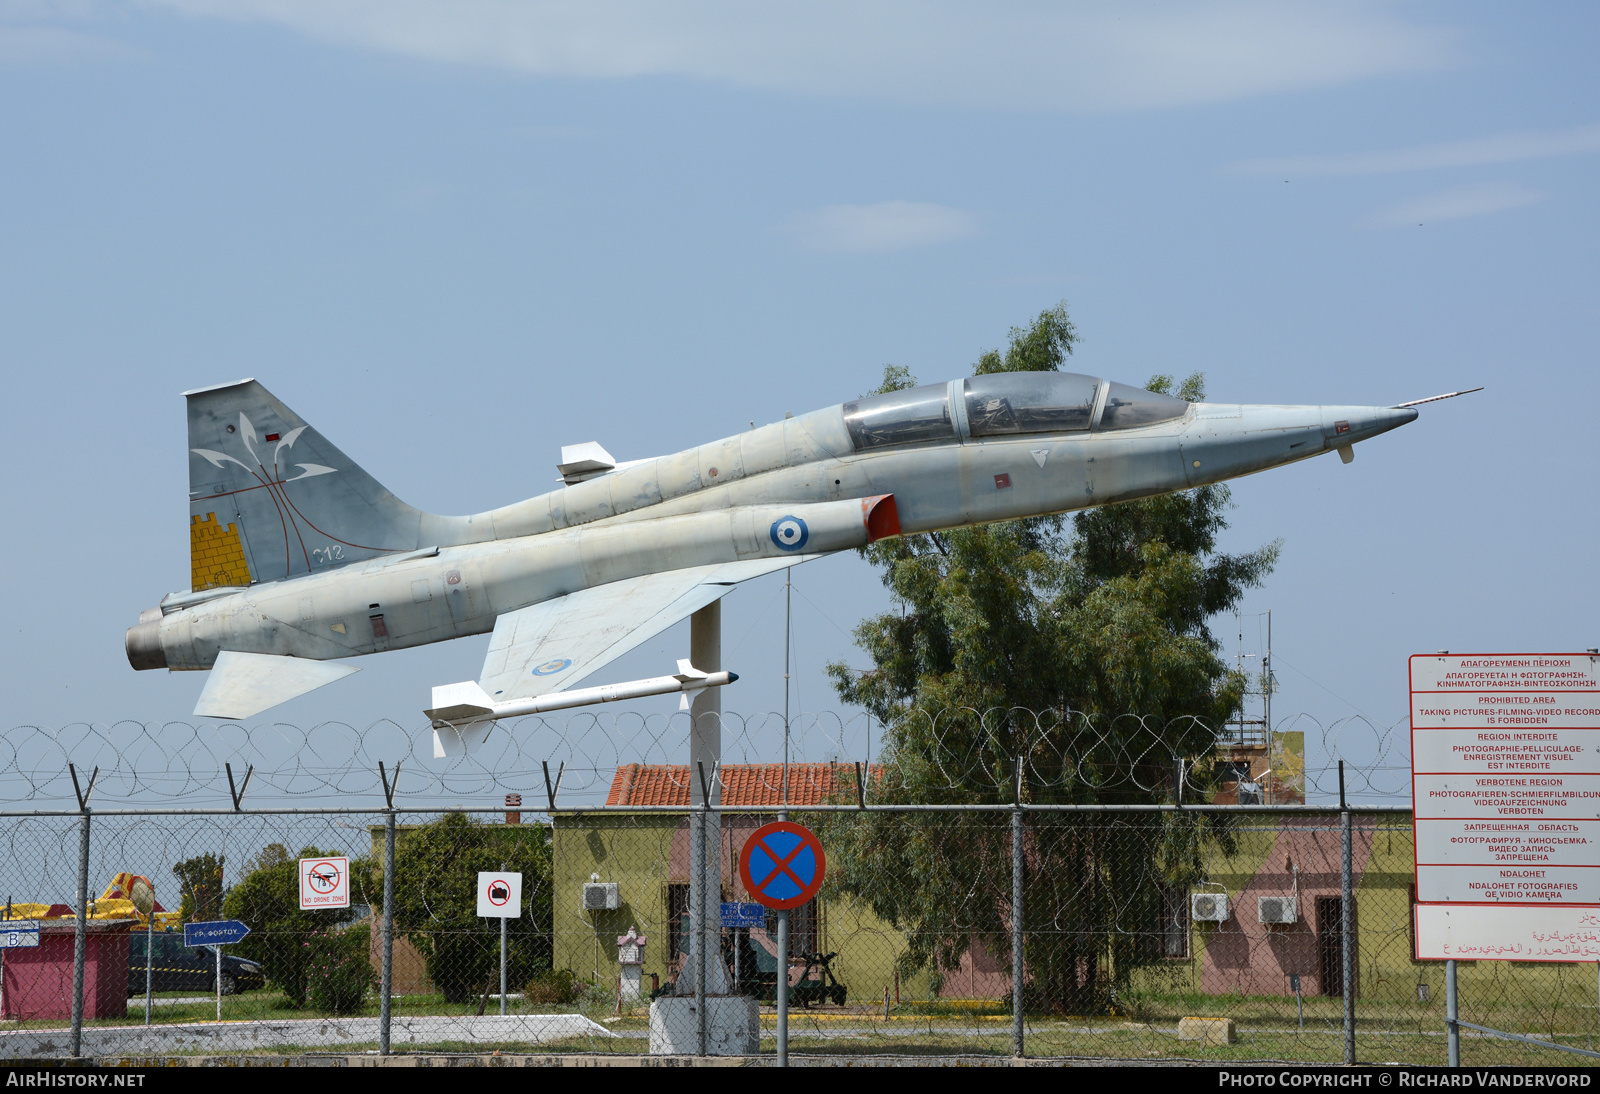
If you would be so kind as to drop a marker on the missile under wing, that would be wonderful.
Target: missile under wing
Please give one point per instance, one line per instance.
(300, 560)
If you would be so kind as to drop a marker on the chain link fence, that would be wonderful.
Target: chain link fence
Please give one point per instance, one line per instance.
(1199, 923)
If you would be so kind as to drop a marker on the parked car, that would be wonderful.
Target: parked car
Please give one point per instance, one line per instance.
(177, 967)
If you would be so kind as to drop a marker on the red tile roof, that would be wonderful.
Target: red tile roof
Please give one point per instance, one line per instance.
(742, 784)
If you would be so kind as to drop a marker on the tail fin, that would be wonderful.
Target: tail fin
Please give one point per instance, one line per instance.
(122, 888)
(270, 497)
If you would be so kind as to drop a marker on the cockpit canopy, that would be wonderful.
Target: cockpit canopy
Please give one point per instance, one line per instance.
(1005, 404)
(913, 415)
(1029, 402)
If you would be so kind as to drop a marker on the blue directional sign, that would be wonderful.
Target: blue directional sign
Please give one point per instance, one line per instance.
(19, 933)
(739, 916)
(219, 932)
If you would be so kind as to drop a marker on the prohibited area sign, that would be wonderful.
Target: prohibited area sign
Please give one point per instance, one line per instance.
(500, 894)
(325, 882)
(782, 865)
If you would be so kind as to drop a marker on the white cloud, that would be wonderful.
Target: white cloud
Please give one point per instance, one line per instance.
(31, 32)
(1091, 55)
(886, 226)
(1501, 148)
(1459, 202)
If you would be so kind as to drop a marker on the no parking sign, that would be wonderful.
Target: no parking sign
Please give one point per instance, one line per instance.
(782, 865)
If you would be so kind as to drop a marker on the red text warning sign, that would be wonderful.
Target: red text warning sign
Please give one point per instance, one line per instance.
(1505, 762)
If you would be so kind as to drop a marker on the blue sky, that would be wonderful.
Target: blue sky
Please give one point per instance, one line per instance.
(458, 236)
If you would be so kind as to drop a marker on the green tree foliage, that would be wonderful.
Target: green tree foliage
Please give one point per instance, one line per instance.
(1040, 347)
(283, 936)
(436, 905)
(339, 969)
(270, 855)
(1082, 649)
(200, 883)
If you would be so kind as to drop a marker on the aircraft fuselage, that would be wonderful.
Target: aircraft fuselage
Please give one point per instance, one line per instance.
(838, 483)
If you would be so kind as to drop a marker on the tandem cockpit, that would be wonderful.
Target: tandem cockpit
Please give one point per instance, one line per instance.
(1002, 405)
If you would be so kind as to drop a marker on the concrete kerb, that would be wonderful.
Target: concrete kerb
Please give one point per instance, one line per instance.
(372, 1059)
(221, 1037)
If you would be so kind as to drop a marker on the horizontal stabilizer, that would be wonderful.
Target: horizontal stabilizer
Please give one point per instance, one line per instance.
(244, 684)
(456, 703)
(462, 716)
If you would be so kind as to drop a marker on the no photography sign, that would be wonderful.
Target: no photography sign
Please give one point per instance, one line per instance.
(500, 894)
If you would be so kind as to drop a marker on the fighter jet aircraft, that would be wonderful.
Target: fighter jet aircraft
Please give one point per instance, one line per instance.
(299, 559)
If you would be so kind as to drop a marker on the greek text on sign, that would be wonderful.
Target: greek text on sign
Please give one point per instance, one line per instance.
(1504, 672)
(216, 932)
(1505, 760)
(742, 916)
(500, 894)
(325, 882)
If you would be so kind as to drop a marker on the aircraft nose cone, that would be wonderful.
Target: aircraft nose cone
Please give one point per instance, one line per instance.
(1392, 417)
(1345, 425)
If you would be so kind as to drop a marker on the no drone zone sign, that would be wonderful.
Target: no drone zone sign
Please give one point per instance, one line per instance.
(325, 882)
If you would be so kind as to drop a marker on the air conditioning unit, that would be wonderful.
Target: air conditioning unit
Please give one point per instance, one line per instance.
(1208, 907)
(1276, 909)
(601, 896)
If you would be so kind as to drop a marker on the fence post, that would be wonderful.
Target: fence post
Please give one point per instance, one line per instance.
(1018, 1046)
(1452, 1014)
(80, 936)
(783, 978)
(386, 980)
(702, 933)
(79, 939)
(149, 959)
(1347, 909)
(504, 921)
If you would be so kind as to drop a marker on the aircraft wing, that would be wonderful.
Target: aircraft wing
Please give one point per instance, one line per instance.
(554, 644)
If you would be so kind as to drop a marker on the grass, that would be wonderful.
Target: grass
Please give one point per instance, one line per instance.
(1268, 1029)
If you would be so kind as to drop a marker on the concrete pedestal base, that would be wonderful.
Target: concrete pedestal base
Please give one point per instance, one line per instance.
(733, 1026)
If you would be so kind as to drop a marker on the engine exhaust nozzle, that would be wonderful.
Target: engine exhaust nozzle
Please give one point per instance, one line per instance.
(143, 644)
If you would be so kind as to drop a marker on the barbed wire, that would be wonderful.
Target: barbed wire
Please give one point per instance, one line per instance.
(958, 751)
